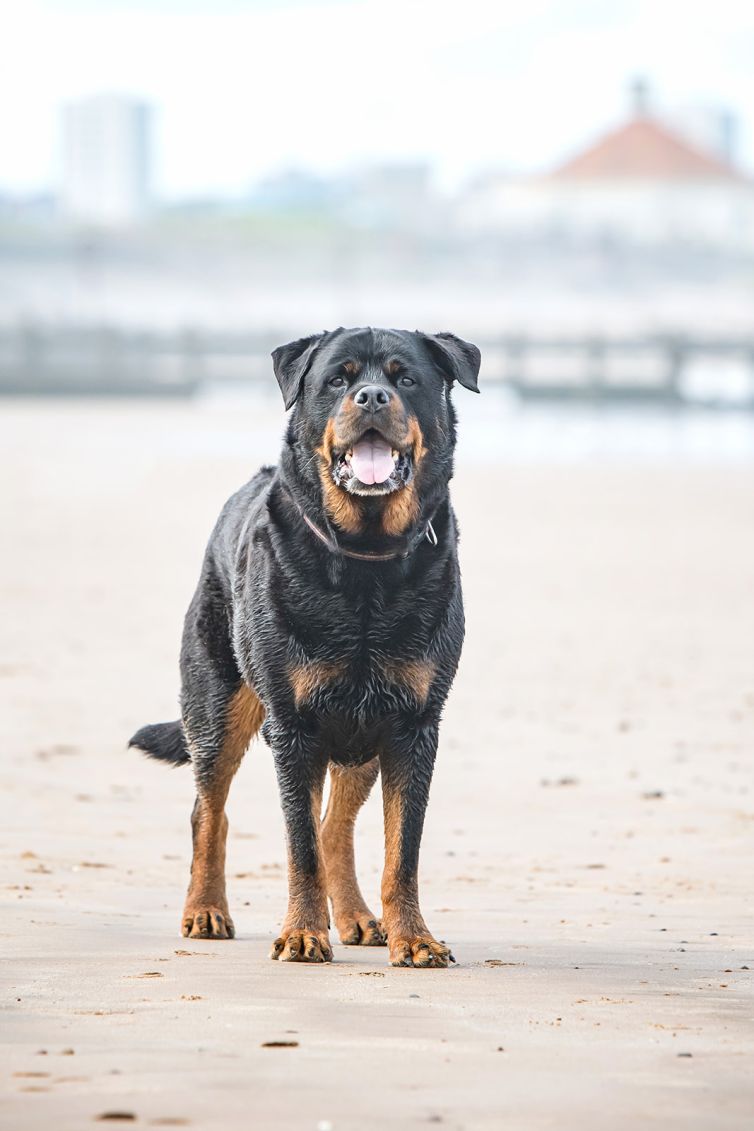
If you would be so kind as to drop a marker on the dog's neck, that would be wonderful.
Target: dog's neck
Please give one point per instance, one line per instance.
(364, 535)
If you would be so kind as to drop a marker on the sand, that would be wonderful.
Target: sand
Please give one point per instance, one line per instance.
(588, 850)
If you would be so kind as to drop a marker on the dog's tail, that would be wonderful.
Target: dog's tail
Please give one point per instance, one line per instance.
(164, 741)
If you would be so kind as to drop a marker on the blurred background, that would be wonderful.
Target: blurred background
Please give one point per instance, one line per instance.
(185, 185)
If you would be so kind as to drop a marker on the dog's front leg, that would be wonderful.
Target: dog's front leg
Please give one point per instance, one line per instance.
(301, 776)
(406, 768)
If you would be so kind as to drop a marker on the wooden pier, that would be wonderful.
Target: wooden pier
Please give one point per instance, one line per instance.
(654, 369)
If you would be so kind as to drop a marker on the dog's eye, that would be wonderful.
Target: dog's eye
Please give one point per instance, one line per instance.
(337, 382)
(406, 381)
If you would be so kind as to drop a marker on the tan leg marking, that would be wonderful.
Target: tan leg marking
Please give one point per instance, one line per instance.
(304, 933)
(408, 936)
(349, 789)
(205, 914)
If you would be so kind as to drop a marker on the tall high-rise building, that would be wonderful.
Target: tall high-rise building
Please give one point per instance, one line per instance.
(106, 159)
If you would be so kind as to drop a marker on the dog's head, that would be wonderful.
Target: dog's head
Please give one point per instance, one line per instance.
(374, 418)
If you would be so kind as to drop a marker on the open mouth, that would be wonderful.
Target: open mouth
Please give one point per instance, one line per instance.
(371, 466)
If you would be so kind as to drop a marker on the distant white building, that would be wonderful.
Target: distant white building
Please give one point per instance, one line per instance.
(644, 183)
(106, 160)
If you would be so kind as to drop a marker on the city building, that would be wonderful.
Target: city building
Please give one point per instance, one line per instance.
(644, 183)
(106, 160)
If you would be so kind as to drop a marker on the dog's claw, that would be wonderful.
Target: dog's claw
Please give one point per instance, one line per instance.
(360, 930)
(423, 952)
(207, 923)
(300, 945)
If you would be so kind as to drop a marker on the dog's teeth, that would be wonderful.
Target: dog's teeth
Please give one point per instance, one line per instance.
(396, 453)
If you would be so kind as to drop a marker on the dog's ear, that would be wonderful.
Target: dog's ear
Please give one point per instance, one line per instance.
(458, 360)
(291, 364)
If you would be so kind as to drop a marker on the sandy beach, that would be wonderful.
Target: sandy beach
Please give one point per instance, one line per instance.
(588, 849)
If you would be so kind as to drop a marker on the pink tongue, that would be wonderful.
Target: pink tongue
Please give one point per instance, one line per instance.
(372, 460)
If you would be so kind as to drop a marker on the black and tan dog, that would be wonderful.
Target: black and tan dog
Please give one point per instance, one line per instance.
(329, 614)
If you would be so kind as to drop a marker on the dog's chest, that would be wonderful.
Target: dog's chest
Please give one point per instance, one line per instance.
(369, 655)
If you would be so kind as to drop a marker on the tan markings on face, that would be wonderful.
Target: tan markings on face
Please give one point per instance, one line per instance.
(305, 679)
(415, 440)
(397, 421)
(400, 511)
(401, 508)
(343, 509)
(347, 422)
(206, 895)
(352, 368)
(415, 675)
(392, 367)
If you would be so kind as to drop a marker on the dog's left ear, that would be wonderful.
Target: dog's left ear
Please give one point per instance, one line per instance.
(458, 360)
(291, 364)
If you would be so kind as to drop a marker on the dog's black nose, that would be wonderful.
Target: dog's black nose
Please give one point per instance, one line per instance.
(372, 397)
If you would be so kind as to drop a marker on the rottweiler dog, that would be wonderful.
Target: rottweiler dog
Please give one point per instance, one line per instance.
(329, 615)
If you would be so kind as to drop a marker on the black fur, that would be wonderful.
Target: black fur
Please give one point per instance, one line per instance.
(164, 741)
(273, 598)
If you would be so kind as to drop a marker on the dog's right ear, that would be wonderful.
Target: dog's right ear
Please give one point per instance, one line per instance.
(291, 364)
(457, 360)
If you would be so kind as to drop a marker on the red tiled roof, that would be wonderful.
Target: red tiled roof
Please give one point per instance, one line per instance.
(644, 149)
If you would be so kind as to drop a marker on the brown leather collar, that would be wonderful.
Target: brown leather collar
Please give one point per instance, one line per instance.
(335, 547)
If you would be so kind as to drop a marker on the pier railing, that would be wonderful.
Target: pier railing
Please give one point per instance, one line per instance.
(671, 369)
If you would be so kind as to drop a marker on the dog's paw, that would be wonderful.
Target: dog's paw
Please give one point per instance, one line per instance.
(360, 929)
(302, 945)
(420, 950)
(206, 922)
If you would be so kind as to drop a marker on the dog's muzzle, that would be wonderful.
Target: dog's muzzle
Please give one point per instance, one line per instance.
(371, 466)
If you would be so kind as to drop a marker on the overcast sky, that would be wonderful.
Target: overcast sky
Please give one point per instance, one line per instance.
(242, 88)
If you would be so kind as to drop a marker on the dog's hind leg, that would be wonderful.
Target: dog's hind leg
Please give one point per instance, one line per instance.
(349, 789)
(205, 914)
(221, 714)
